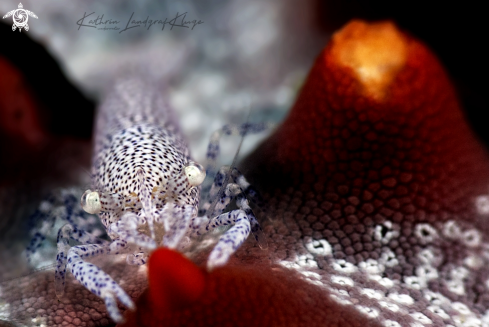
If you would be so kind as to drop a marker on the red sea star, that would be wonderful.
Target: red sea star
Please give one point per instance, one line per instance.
(376, 193)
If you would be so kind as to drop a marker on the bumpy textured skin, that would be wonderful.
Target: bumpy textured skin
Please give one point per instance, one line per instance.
(384, 197)
(376, 216)
(380, 204)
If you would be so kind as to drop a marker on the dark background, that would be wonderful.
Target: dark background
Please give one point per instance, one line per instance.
(454, 31)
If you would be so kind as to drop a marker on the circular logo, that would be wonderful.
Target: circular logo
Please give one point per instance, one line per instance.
(20, 17)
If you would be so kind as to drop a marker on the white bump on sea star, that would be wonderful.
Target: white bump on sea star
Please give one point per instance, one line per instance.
(391, 306)
(474, 262)
(372, 294)
(368, 311)
(384, 281)
(344, 267)
(388, 258)
(319, 247)
(482, 204)
(342, 280)
(428, 257)
(435, 298)
(451, 230)
(456, 286)
(471, 238)
(313, 278)
(401, 298)
(371, 267)
(381, 235)
(459, 273)
(426, 272)
(418, 316)
(415, 282)
(425, 232)
(438, 311)
(461, 308)
(391, 323)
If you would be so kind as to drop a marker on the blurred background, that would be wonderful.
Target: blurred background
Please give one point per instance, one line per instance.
(247, 60)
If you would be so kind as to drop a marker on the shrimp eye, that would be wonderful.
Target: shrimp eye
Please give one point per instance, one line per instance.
(90, 202)
(195, 173)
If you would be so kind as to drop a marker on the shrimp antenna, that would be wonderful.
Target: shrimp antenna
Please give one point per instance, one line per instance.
(210, 210)
(233, 164)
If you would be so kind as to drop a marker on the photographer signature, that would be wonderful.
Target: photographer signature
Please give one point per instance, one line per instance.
(109, 24)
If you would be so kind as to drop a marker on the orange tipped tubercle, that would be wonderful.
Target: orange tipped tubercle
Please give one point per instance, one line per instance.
(374, 52)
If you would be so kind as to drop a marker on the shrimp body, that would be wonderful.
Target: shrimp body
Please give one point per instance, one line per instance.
(161, 155)
(146, 192)
(139, 155)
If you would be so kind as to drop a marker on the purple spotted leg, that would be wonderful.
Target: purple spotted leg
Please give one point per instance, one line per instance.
(232, 239)
(228, 184)
(219, 200)
(92, 277)
(242, 220)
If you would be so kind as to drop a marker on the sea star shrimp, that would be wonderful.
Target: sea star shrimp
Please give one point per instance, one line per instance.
(146, 191)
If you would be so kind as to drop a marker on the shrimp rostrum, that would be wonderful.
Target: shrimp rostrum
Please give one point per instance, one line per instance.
(146, 191)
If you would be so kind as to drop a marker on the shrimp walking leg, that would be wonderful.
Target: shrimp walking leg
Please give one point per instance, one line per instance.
(92, 277)
(236, 187)
(231, 240)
